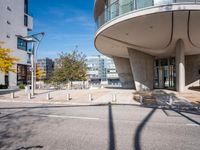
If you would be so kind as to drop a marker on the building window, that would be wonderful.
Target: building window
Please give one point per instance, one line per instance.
(29, 59)
(26, 20)
(26, 6)
(21, 44)
(23, 74)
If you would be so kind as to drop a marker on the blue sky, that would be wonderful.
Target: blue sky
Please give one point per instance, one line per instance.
(66, 23)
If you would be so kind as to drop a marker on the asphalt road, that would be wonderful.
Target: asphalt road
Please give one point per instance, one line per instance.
(106, 127)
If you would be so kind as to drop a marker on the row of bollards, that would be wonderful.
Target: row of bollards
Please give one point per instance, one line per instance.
(68, 97)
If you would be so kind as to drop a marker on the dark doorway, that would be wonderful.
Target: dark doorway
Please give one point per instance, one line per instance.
(165, 73)
(7, 80)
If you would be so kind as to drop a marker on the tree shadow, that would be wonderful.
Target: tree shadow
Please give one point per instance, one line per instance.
(138, 133)
(16, 128)
(111, 128)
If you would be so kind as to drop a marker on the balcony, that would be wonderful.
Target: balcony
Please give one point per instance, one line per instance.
(118, 9)
(28, 22)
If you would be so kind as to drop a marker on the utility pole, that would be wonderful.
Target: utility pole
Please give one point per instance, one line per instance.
(35, 40)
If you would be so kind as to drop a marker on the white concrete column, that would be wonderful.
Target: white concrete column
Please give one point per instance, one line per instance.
(180, 66)
(142, 69)
(124, 71)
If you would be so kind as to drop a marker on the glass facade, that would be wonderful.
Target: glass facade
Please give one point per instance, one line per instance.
(101, 68)
(115, 8)
(47, 66)
(23, 74)
(26, 6)
(165, 73)
(22, 44)
(25, 20)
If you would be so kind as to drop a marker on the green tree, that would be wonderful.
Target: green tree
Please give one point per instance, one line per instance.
(71, 67)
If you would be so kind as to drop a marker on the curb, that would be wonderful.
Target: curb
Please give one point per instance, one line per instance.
(67, 103)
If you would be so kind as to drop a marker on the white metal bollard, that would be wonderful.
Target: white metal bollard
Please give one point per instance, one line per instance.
(170, 100)
(29, 96)
(90, 97)
(48, 96)
(114, 98)
(141, 100)
(12, 95)
(68, 97)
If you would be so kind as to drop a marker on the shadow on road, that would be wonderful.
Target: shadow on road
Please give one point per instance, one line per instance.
(138, 133)
(64, 106)
(30, 147)
(14, 129)
(192, 120)
(111, 128)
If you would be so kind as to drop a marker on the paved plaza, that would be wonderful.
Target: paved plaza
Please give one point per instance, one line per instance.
(99, 96)
(104, 95)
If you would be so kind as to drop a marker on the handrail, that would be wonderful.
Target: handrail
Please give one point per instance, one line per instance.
(116, 9)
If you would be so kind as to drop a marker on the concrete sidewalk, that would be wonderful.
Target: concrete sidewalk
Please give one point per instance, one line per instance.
(80, 97)
(101, 96)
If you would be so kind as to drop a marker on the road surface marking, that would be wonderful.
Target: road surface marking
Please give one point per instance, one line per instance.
(70, 117)
(192, 124)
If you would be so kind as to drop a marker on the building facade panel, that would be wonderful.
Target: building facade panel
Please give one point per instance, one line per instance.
(12, 23)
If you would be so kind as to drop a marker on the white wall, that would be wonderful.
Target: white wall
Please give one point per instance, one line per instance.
(16, 27)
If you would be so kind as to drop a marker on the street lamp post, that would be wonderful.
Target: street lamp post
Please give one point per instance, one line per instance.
(33, 69)
(35, 39)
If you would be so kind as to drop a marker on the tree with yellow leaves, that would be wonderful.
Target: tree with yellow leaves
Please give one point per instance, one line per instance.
(39, 73)
(6, 60)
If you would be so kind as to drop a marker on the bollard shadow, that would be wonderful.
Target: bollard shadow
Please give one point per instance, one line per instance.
(138, 133)
(44, 92)
(30, 147)
(111, 128)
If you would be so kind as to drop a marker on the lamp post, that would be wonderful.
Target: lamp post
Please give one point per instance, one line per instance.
(35, 39)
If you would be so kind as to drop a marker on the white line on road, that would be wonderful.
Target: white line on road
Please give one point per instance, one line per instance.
(69, 117)
(192, 124)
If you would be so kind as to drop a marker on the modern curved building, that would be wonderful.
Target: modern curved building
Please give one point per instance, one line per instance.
(154, 43)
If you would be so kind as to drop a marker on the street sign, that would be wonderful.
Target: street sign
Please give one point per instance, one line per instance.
(31, 69)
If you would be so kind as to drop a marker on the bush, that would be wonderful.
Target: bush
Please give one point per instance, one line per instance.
(3, 86)
(22, 86)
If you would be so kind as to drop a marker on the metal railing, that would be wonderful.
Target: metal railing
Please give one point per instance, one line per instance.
(117, 9)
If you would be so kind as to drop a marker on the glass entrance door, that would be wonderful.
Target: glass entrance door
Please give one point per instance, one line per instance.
(164, 73)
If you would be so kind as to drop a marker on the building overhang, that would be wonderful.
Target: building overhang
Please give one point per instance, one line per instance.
(153, 30)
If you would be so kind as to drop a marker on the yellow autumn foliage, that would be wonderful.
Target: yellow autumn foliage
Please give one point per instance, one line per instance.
(6, 60)
(39, 73)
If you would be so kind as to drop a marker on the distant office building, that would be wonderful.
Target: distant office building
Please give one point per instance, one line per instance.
(14, 23)
(47, 66)
(101, 69)
(57, 63)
